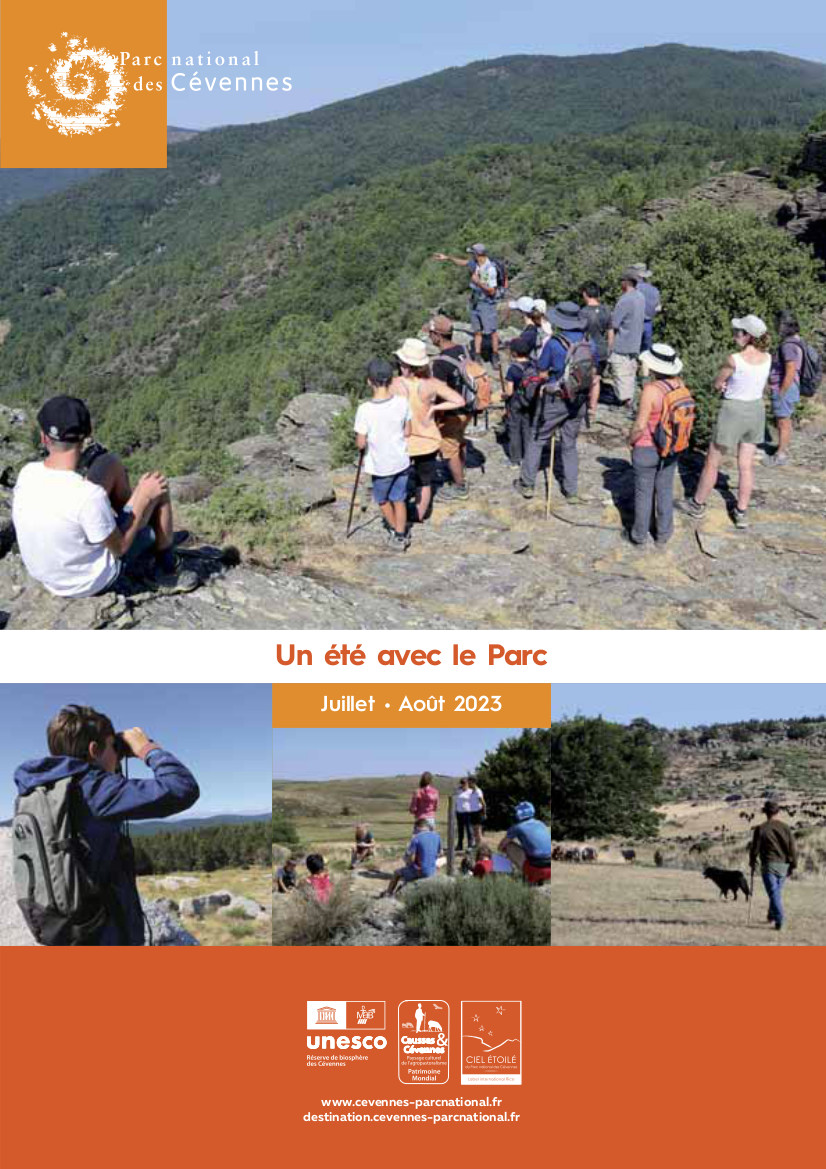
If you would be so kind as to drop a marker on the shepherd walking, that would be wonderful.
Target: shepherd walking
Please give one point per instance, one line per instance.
(773, 845)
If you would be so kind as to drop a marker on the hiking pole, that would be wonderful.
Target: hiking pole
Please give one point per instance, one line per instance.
(550, 477)
(353, 496)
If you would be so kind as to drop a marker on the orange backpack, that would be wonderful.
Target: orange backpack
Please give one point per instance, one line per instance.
(672, 433)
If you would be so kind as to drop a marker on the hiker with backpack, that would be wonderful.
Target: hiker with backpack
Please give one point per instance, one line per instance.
(563, 393)
(427, 397)
(488, 283)
(659, 435)
(79, 524)
(517, 403)
(741, 421)
(382, 428)
(597, 321)
(653, 302)
(784, 383)
(74, 867)
(454, 366)
(625, 339)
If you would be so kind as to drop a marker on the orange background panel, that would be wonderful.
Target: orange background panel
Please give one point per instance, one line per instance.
(523, 705)
(27, 30)
(634, 1057)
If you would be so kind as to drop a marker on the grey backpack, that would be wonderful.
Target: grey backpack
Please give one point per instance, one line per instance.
(60, 902)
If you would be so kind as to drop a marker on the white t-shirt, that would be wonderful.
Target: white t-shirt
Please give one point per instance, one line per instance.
(748, 381)
(463, 800)
(61, 521)
(383, 421)
(476, 800)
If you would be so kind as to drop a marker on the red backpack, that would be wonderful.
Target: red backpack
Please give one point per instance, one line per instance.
(672, 433)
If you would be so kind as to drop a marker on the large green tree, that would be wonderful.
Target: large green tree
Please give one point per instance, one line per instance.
(605, 779)
(518, 769)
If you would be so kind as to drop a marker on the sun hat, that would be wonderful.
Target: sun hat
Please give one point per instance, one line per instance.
(753, 325)
(645, 273)
(525, 304)
(440, 324)
(413, 352)
(566, 315)
(662, 359)
(65, 419)
(632, 274)
(478, 250)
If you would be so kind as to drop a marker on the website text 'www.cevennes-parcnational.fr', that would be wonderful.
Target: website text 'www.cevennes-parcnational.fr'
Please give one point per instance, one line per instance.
(435, 1113)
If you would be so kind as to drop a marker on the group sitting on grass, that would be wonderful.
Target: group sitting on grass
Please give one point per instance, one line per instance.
(80, 525)
(564, 363)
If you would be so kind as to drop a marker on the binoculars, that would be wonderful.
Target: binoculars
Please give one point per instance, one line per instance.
(122, 748)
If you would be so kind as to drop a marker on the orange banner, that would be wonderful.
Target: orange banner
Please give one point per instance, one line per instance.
(83, 85)
(513, 704)
(206, 1056)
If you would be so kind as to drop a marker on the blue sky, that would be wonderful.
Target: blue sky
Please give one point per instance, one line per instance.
(335, 50)
(222, 733)
(339, 754)
(677, 704)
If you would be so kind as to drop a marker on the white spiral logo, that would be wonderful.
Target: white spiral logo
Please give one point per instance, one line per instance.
(79, 93)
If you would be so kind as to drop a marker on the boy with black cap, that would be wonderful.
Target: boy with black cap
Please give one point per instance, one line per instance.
(773, 845)
(75, 516)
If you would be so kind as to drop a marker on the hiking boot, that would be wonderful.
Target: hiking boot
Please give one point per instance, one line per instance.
(629, 539)
(691, 508)
(572, 498)
(495, 360)
(778, 925)
(397, 542)
(182, 580)
(778, 460)
(739, 518)
(452, 492)
(524, 491)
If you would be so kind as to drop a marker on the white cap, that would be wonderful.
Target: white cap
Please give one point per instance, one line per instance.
(541, 306)
(525, 304)
(754, 326)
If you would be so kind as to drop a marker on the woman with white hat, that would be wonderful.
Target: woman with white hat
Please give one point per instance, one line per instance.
(741, 422)
(426, 396)
(653, 473)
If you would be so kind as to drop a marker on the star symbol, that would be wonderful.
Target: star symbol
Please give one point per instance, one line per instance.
(476, 1018)
(482, 1028)
(490, 1033)
(499, 1010)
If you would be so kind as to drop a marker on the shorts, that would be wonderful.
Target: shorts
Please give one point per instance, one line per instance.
(409, 873)
(144, 541)
(452, 428)
(740, 422)
(484, 317)
(475, 817)
(425, 469)
(783, 404)
(391, 488)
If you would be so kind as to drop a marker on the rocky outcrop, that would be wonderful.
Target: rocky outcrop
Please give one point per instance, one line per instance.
(224, 903)
(294, 462)
(164, 928)
(813, 159)
(750, 191)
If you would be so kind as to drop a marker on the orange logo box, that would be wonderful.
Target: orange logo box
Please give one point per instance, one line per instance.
(424, 1037)
(83, 85)
(492, 1042)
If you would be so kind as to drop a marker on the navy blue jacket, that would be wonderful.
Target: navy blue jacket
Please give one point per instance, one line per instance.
(106, 802)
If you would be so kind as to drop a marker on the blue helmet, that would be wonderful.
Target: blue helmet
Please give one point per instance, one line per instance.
(525, 810)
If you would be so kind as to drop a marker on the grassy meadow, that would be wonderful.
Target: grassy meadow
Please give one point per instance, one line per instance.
(218, 929)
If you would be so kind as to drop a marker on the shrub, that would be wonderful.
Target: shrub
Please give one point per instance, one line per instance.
(308, 922)
(517, 769)
(605, 779)
(798, 730)
(496, 911)
(249, 518)
(283, 828)
(343, 448)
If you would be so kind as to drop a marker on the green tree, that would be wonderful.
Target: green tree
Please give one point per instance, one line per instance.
(605, 779)
(518, 769)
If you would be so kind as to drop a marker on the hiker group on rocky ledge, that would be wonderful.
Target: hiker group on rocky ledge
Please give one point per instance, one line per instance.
(565, 361)
(82, 528)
